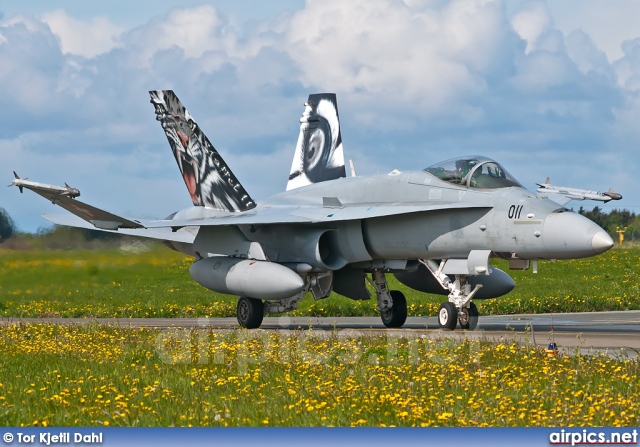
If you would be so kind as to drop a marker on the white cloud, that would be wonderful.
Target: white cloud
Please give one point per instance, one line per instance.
(585, 54)
(531, 22)
(418, 81)
(608, 23)
(83, 38)
(431, 54)
(628, 67)
(195, 31)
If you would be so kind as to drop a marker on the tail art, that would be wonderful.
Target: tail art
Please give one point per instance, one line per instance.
(319, 156)
(208, 178)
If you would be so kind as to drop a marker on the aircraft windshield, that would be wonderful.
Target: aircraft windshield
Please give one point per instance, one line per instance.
(475, 172)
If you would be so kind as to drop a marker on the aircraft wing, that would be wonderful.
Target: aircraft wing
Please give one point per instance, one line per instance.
(98, 218)
(560, 199)
(164, 234)
(310, 214)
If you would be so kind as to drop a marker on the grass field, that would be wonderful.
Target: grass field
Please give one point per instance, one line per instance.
(93, 375)
(156, 283)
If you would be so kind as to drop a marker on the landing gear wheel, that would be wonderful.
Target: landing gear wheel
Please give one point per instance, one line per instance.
(469, 317)
(397, 315)
(448, 316)
(250, 312)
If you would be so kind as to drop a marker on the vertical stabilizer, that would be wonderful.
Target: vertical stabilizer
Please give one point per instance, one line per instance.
(208, 178)
(319, 156)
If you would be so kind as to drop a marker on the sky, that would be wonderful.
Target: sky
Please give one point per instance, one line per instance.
(546, 88)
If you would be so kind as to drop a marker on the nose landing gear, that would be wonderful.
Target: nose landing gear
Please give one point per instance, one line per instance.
(459, 308)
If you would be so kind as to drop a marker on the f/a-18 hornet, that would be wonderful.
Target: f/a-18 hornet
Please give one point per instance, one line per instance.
(435, 229)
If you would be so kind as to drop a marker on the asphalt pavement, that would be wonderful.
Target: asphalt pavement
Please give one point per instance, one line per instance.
(612, 333)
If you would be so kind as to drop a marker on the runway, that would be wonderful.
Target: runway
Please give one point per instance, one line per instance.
(613, 333)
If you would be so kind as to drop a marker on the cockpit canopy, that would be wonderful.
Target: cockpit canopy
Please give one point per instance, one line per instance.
(473, 171)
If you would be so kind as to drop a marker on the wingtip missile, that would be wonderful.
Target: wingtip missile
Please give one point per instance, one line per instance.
(577, 193)
(51, 190)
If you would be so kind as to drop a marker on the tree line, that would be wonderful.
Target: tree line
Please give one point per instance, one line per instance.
(55, 237)
(615, 220)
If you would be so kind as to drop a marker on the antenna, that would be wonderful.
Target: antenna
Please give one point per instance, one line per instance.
(353, 168)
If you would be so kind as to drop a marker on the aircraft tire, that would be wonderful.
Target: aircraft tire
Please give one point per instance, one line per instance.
(397, 315)
(471, 317)
(250, 312)
(448, 316)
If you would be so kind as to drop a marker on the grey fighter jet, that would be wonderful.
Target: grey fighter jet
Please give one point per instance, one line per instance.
(435, 229)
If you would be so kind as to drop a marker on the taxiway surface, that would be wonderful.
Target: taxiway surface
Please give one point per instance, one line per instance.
(614, 333)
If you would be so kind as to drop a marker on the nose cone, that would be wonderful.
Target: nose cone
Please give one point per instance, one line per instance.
(601, 242)
(569, 235)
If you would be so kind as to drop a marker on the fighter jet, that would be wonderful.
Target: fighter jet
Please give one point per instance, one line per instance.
(50, 192)
(435, 229)
(564, 194)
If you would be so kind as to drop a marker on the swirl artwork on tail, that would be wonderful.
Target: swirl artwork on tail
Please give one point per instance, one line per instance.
(319, 156)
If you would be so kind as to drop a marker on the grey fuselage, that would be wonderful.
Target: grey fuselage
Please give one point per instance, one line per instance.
(512, 222)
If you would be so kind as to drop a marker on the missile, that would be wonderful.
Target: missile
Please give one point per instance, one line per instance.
(50, 190)
(256, 279)
(496, 284)
(578, 194)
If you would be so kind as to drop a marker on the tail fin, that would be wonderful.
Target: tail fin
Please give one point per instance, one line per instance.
(17, 178)
(208, 178)
(319, 156)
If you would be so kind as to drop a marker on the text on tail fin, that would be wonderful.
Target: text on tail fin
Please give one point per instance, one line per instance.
(208, 178)
(319, 155)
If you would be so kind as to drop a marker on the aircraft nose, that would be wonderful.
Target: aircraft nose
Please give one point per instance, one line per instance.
(601, 242)
(568, 235)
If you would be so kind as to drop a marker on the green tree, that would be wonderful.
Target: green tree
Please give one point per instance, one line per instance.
(7, 226)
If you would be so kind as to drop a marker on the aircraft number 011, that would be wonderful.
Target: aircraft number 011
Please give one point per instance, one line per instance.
(515, 211)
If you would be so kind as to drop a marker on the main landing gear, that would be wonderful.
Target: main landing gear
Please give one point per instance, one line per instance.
(459, 308)
(391, 303)
(250, 312)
